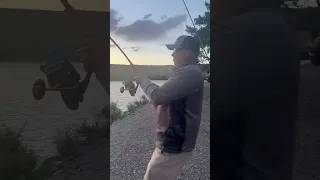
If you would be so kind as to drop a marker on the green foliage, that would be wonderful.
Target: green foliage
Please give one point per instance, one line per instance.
(296, 4)
(67, 143)
(94, 131)
(202, 30)
(17, 160)
(290, 3)
(113, 112)
(134, 105)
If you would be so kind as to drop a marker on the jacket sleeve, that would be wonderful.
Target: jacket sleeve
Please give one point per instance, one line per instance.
(183, 82)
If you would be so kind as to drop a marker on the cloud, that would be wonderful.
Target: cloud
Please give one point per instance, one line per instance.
(144, 29)
(114, 19)
(135, 49)
(163, 17)
(147, 16)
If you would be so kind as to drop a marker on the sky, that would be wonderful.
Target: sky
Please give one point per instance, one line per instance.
(140, 27)
(143, 27)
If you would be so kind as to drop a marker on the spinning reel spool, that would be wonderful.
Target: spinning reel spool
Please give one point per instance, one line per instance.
(128, 85)
(62, 77)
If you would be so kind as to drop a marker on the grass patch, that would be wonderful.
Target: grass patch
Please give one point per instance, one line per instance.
(111, 112)
(137, 103)
(17, 160)
(67, 143)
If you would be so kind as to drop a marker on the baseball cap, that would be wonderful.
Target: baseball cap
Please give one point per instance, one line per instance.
(187, 43)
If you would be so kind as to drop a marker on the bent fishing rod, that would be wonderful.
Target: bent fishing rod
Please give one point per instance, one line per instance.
(131, 64)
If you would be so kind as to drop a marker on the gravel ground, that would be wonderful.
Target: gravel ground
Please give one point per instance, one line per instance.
(132, 143)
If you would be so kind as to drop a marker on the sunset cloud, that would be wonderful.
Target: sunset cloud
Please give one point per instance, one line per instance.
(144, 29)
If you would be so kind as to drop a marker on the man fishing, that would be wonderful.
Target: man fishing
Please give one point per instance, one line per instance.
(180, 111)
(255, 80)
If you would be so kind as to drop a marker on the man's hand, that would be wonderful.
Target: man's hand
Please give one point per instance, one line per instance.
(144, 82)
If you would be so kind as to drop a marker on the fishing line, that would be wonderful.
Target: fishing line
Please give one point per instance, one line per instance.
(130, 62)
(185, 5)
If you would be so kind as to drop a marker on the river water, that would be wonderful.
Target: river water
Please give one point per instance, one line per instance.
(46, 116)
(123, 99)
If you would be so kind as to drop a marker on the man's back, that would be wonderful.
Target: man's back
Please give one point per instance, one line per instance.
(255, 82)
(179, 121)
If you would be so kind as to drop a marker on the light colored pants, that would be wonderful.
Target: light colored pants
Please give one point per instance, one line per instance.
(165, 166)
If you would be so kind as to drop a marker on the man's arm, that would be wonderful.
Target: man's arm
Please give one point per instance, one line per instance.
(183, 82)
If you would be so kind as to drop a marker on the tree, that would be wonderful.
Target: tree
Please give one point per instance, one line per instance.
(290, 3)
(202, 30)
(294, 3)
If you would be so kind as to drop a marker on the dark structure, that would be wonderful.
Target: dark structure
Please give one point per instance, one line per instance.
(28, 35)
(306, 21)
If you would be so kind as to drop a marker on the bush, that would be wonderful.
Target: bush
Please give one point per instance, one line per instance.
(111, 112)
(67, 143)
(137, 103)
(17, 160)
(92, 132)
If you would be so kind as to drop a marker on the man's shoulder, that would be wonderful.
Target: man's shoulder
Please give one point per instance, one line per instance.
(193, 71)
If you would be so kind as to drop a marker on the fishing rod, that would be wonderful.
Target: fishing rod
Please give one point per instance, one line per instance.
(128, 83)
(131, 64)
(62, 76)
(201, 44)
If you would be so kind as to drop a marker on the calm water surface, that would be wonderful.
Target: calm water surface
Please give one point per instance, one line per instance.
(43, 117)
(46, 116)
(123, 99)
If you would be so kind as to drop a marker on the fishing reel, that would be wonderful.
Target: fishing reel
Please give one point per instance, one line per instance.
(62, 77)
(128, 85)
